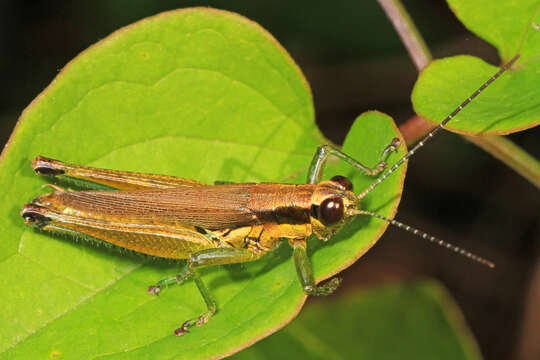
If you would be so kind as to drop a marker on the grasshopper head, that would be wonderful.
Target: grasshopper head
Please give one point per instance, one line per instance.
(330, 205)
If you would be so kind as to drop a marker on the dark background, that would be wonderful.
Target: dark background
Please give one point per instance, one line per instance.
(355, 62)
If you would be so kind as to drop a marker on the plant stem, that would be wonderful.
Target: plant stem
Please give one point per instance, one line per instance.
(498, 146)
(416, 127)
(418, 51)
(510, 154)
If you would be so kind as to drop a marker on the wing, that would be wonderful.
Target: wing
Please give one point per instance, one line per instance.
(210, 207)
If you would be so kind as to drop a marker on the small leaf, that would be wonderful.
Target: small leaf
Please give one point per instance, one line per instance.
(197, 93)
(365, 142)
(511, 103)
(409, 321)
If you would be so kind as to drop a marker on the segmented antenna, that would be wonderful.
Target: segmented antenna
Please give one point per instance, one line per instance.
(434, 131)
(426, 236)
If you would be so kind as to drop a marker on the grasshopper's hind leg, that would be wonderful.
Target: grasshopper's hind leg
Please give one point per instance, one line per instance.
(316, 168)
(215, 256)
(95, 178)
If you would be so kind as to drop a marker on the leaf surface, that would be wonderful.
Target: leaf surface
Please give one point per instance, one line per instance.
(198, 93)
(510, 104)
(415, 320)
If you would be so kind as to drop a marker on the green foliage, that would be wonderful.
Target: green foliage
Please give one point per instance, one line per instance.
(513, 104)
(409, 321)
(199, 93)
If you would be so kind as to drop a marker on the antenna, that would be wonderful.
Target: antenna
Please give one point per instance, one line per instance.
(426, 236)
(439, 127)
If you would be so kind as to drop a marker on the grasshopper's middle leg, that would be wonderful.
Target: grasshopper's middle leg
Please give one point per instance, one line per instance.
(316, 168)
(305, 272)
(217, 256)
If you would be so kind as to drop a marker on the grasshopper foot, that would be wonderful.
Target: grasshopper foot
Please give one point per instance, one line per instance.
(178, 279)
(154, 289)
(185, 327)
(329, 287)
(201, 320)
(323, 290)
(394, 145)
(380, 167)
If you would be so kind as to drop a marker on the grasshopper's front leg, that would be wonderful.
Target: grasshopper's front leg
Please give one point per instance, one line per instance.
(305, 272)
(216, 256)
(316, 168)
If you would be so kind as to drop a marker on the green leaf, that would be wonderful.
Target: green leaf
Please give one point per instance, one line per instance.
(410, 321)
(198, 93)
(367, 138)
(510, 104)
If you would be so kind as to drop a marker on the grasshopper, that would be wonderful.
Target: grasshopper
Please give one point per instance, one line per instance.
(177, 218)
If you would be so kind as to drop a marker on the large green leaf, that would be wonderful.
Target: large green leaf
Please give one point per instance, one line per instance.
(512, 103)
(408, 321)
(198, 93)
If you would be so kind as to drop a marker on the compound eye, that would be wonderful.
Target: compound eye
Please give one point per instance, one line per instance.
(343, 181)
(331, 210)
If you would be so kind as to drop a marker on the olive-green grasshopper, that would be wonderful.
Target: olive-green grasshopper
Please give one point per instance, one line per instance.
(176, 218)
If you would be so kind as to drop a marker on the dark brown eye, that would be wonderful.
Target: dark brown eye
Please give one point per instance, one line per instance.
(343, 181)
(331, 210)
